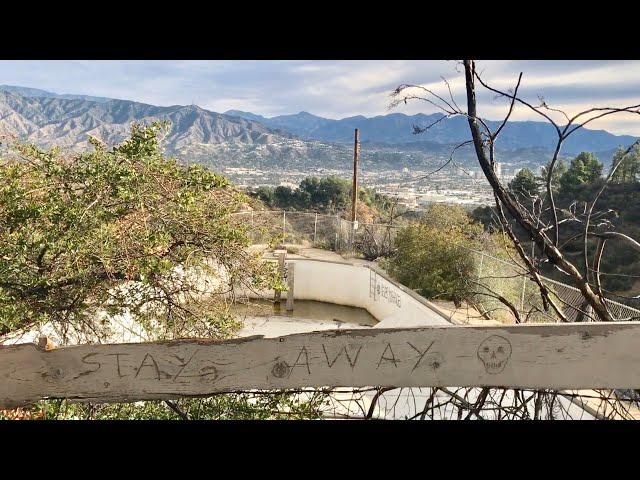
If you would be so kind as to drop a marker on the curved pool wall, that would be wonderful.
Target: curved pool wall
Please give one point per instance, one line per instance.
(362, 286)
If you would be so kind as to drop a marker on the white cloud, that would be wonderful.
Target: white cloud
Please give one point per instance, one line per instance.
(334, 89)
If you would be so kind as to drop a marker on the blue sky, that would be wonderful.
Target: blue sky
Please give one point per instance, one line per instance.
(334, 89)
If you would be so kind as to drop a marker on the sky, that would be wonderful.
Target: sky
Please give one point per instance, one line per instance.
(337, 88)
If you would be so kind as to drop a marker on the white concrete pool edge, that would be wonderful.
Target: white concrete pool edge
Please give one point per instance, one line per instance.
(362, 286)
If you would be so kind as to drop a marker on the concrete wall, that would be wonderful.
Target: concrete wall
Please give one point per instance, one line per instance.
(362, 286)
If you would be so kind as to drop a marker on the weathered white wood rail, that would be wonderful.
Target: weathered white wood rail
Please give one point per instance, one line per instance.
(567, 356)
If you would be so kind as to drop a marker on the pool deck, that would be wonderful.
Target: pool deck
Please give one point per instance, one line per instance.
(277, 326)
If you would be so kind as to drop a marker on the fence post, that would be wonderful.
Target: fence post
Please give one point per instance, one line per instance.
(290, 285)
(315, 228)
(524, 286)
(589, 313)
(253, 230)
(281, 254)
(352, 234)
(284, 225)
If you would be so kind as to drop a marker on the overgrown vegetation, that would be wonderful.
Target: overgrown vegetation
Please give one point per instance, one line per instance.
(127, 232)
(324, 195)
(434, 256)
(119, 231)
(240, 406)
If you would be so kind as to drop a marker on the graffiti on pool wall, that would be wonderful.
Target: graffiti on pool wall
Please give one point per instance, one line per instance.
(382, 289)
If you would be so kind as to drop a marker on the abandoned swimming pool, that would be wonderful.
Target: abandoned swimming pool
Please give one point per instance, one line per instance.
(264, 317)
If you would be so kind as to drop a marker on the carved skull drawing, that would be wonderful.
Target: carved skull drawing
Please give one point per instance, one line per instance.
(494, 352)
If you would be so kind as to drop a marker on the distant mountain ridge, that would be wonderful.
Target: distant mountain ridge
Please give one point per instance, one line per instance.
(51, 121)
(301, 141)
(36, 92)
(397, 128)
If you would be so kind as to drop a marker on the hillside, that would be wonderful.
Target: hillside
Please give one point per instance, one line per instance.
(302, 141)
(69, 122)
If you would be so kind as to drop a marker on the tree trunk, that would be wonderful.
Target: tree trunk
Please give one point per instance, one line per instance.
(542, 240)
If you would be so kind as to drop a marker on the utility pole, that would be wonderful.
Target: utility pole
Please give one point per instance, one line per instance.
(354, 202)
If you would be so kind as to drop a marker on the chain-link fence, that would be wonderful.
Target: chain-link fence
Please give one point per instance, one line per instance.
(302, 228)
(500, 285)
(499, 278)
(317, 230)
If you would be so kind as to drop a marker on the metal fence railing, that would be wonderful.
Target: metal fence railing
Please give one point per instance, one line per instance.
(511, 280)
(314, 230)
(495, 277)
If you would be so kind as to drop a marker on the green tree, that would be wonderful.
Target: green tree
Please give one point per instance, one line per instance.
(524, 184)
(119, 231)
(326, 195)
(584, 169)
(330, 194)
(628, 170)
(266, 195)
(433, 255)
(559, 170)
(284, 197)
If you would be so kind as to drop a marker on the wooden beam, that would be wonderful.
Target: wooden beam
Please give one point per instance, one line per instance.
(559, 356)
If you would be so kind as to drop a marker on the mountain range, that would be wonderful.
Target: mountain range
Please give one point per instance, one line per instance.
(53, 120)
(299, 141)
(36, 92)
(397, 128)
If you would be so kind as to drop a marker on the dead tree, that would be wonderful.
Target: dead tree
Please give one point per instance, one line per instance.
(543, 219)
